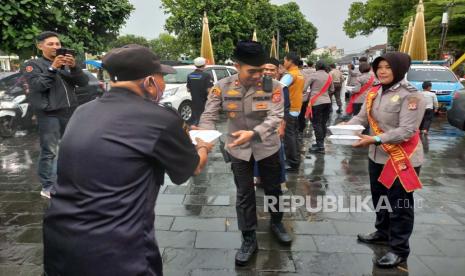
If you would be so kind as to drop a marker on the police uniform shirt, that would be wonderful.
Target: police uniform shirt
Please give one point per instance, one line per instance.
(112, 161)
(247, 109)
(198, 83)
(398, 112)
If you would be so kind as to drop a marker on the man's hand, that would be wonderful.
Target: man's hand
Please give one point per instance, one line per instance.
(70, 61)
(242, 137)
(202, 144)
(365, 141)
(59, 61)
(194, 127)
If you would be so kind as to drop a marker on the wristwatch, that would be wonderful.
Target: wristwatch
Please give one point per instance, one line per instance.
(51, 69)
(377, 140)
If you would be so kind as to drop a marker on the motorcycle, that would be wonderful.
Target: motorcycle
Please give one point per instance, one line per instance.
(14, 112)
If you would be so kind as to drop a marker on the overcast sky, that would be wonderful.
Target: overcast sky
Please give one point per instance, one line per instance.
(328, 16)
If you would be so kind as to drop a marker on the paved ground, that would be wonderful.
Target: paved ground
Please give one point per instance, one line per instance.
(197, 228)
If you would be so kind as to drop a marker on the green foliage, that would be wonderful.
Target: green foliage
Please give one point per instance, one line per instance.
(364, 18)
(166, 46)
(83, 25)
(234, 20)
(129, 39)
(326, 57)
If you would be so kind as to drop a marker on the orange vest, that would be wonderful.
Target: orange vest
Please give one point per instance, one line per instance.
(296, 89)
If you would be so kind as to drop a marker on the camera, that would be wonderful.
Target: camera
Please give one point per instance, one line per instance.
(267, 82)
(65, 51)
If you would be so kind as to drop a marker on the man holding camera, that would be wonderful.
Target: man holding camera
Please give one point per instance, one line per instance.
(254, 106)
(52, 80)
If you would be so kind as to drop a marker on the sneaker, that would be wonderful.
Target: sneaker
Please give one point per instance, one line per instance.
(45, 193)
(248, 248)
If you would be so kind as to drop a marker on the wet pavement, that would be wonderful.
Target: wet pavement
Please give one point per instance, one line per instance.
(197, 227)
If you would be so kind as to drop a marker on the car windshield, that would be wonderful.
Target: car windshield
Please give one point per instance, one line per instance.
(430, 74)
(180, 76)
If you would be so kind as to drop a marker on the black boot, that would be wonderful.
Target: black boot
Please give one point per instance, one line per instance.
(317, 148)
(374, 238)
(248, 248)
(339, 110)
(390, 260)
(277, 228)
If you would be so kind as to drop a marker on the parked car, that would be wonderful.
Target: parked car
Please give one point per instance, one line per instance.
(444, 81)
(176, 94)
(456, 114)
(93, 90)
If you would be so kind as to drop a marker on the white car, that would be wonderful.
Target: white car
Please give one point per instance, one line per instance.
(176, 94)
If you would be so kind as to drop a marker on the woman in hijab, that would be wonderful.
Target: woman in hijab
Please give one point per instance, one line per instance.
(394, 111)
(363, 83)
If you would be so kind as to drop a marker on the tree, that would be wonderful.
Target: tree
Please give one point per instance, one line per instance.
(169, 47)
(295, 29)
(129, 39)
(326, 57)
(83, 25)
(234, 20)
(364, 18)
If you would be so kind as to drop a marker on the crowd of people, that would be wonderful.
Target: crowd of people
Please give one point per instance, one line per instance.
(114, 151)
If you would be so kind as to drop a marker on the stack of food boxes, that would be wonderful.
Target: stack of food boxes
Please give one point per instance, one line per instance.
(345, 134)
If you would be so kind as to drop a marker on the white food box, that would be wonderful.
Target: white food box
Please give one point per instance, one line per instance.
(344, 139)
(346, 129)
(206, 135)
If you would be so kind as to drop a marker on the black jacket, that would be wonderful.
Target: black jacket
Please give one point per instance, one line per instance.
(113, 158)
(51, 91)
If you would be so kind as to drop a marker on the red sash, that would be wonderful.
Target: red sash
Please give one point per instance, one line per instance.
(308, 112)
(398, 165)
(354, 97)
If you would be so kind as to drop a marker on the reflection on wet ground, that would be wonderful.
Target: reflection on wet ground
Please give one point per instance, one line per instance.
(197, 227)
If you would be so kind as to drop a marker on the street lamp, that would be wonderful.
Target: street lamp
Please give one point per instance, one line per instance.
(445, 26)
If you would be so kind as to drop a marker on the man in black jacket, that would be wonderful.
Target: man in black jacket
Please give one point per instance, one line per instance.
(52, 81)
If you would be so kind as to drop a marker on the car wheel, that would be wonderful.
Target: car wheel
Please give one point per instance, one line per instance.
(185, 110)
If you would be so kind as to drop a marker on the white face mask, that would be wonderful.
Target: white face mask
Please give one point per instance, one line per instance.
(154, 92)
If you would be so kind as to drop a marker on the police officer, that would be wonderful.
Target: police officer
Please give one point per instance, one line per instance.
(255, 111)
(362, 84)
(338, 80)
(112, 161)
(393, 111)
(52, 81)
(199, 83)
(320, 103)
(306, 72)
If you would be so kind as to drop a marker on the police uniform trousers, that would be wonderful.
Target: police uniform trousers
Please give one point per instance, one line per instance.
(302, 119)
(270, 173)
(337, 94)
(397, 225)
(291, 141)
(319, 120)
(356, 108)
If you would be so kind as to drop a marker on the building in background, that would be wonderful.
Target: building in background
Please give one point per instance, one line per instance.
(7, 62)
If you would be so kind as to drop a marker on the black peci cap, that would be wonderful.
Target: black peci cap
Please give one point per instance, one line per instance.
(250, 53)
(133, 62)
(273, 61)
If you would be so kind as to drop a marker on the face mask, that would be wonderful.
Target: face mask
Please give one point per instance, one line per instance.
(151, 90)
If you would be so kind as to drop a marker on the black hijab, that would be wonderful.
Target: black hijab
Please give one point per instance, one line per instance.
(400, 64)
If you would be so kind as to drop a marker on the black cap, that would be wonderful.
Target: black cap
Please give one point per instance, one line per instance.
(133, 62)
(273, 61)
(250, 53)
